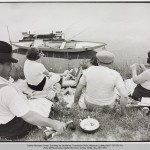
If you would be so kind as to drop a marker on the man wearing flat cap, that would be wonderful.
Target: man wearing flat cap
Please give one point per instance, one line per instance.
(16, 116)
(101, 83)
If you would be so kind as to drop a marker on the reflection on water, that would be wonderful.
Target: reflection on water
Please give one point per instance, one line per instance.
(56, 61)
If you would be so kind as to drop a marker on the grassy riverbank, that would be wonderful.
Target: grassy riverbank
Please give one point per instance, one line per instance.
(130, 126)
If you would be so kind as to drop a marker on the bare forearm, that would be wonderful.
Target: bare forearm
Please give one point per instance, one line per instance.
(77, 96)
(78, 93)
(124, 93)
(134, 74)
(46, 72)
(123, 101)
(39, 120)
(143, 67)
(124, 96)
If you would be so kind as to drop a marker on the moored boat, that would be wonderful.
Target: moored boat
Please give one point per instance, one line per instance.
(56, 43)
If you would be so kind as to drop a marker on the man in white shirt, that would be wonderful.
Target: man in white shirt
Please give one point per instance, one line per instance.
(101, 84)
(16, 117)
(37, 76)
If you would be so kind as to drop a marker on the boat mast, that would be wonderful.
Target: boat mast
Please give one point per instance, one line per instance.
(9, 35)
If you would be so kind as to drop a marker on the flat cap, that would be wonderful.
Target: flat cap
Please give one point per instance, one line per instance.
(105, 57)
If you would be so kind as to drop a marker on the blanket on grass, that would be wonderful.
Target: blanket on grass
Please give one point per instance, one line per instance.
(67, 94)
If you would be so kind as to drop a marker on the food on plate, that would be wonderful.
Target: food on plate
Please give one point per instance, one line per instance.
(90, 124)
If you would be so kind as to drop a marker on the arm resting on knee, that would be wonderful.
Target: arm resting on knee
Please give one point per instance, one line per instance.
(124, 96)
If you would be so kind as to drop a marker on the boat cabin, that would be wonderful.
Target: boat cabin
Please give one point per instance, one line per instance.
(57, 36)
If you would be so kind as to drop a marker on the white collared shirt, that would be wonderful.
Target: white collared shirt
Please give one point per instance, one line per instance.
(11, 103)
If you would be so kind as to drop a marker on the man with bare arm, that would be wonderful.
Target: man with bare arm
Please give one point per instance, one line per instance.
(16, 117)
(101, 83)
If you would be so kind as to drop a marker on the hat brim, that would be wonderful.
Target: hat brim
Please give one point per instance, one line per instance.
(10, 60)
(107, 63)
(13, 60)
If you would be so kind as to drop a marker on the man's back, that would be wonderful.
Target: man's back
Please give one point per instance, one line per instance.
(100, 84)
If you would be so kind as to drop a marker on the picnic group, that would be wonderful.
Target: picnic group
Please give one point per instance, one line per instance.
(17, 116)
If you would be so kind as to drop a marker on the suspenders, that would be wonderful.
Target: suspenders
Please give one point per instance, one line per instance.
(3, 85)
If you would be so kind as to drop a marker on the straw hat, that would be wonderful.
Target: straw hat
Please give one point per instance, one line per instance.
(105, 57)
(6, 53)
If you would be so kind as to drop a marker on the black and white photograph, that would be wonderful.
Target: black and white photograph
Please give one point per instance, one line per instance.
(74, 71)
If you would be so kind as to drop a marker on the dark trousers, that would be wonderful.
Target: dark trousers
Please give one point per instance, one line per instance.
(16, 128)
(140, 92)
(38, 87)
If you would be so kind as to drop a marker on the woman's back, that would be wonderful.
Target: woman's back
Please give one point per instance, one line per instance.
(33, 72)
(146, 84)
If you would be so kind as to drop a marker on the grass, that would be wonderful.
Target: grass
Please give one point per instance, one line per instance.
(129, 126)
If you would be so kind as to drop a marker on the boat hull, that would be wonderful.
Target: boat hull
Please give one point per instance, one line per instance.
(80, 47)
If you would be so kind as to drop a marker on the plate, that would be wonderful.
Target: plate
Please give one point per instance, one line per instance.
(89, 124)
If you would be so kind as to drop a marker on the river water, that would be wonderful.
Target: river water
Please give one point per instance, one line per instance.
(58, 62)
